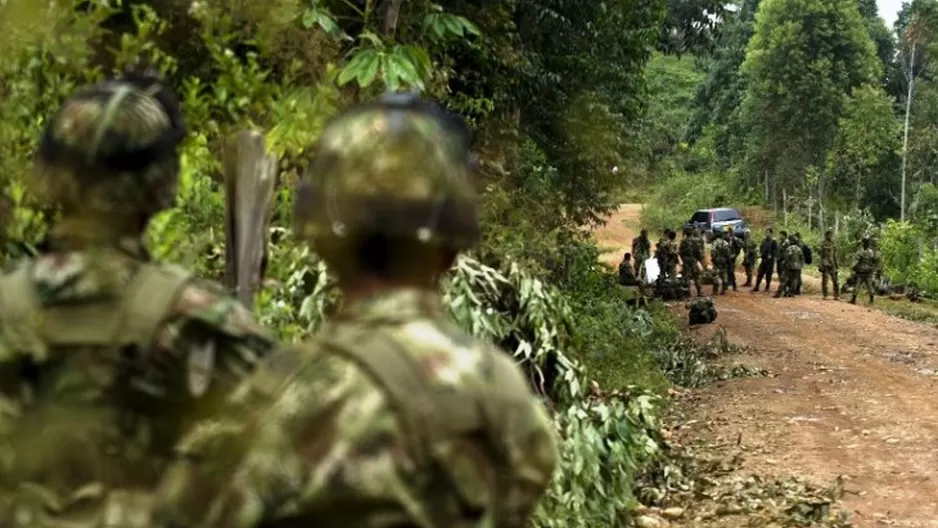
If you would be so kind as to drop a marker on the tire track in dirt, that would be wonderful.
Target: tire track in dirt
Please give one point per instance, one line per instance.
(852, 393)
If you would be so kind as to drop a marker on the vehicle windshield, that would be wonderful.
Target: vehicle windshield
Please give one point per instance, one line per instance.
(725, 216)
(701, 217)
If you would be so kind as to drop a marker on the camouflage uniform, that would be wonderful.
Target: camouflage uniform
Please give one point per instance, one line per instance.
(667, 257)
(750, 255)
(690, 260)
(392, 416)
(864, 269)
(780, 261)
(105, 355)
(829, 264)
(641, 251)
(720, 254)
(794, 262)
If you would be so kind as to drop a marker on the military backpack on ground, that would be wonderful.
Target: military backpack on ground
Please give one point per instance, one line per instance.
(672, 289)
(701, 311)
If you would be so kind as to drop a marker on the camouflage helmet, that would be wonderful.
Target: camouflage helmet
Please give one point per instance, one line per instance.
(112, 149)
(399, 167)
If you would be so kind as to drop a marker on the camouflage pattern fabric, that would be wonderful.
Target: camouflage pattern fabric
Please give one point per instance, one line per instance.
(828, 266)
(105, 357)
(864, 269)
(750, 255)
(701, 310)
(641, 248)
(316, 441)
(690, 261)
(109, 419)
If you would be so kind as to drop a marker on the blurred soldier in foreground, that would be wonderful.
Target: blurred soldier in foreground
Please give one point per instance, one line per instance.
(829, 264)
(105, 355)
(393, 416)
(750, 254)
(864, 268)
(690, 259)
(767, 252)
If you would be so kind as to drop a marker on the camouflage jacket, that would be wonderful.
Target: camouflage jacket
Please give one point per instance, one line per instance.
(794, 257)
(317, 439)
(828, 254)
(108, 408)
(783, 251)
(701, 248)
(865, 262)
(720, 252)
(736, 246)
(750, 252)
(641, 249)
(688, 251)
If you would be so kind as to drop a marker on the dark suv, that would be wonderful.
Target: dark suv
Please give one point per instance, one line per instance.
(714, 221)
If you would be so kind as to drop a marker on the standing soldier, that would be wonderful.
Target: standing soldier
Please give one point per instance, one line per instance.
(793, 264)
(641, 251)
(780, 258)
(690, 259)
(805, 255)
(829, 264)
(877, 261)
(864, 268)
(672, 254)
(767, 251)
(719, 256)
(750, 254)
(733, 247)
(108, 355)
(392, 416)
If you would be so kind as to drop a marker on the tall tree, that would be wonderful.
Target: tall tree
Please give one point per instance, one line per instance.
(916, 28)
(803, 61)
(718, 98)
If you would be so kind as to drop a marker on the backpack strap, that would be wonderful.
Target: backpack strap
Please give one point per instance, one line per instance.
(133, 319)
(149, 299)
(428, 412)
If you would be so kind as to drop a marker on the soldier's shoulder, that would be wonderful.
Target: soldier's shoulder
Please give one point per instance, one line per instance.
(77, 276)
(208, 304)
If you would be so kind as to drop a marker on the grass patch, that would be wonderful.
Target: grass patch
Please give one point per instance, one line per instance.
(925, 311)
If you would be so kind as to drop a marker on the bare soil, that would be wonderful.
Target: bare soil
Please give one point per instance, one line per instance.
(853, 393)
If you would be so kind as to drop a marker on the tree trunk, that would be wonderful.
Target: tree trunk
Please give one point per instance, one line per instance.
(905, 138)
(391, 16)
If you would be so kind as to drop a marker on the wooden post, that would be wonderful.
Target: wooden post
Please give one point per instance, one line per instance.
(250, 180)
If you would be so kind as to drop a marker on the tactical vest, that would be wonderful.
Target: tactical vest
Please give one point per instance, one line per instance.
(431, 415)
(108, 344)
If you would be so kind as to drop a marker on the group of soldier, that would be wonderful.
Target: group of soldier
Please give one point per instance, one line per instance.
(133, 394)
(785, 257)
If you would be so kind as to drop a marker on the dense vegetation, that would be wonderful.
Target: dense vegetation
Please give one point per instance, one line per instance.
(684, 102)
(554, 91)
(815, 111)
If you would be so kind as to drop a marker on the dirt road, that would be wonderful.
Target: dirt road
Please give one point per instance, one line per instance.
(854, 392)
